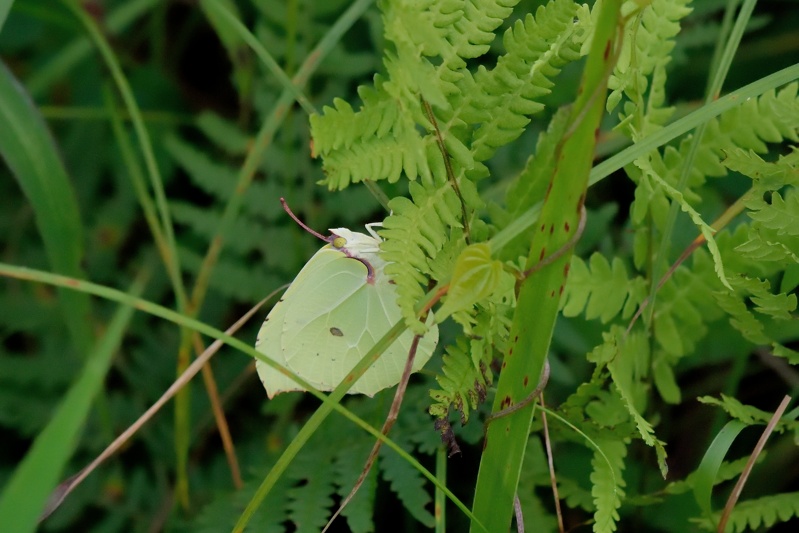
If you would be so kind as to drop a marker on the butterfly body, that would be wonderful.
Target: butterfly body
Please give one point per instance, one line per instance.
(338, 307)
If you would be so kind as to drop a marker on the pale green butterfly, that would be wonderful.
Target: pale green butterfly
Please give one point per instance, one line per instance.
(336, 309)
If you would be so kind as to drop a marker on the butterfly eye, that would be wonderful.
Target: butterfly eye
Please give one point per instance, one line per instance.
(339, 242)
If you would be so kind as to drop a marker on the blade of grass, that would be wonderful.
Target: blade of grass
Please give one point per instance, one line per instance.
(66, 487)
(226, 22)
(171, 259)
(5, 7)
(440, 499)
(80, 48)
(661, 137)
(26, 494)
(30, 153)
(709, 466)
(539, 294)
(265, 135)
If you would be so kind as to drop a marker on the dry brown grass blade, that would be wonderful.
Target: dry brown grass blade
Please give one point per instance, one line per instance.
(550, 462)
(68, 485)
(736, 491)
(219, 415)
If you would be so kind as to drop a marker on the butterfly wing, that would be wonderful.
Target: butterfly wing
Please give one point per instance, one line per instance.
(272, 340)
(328, 320)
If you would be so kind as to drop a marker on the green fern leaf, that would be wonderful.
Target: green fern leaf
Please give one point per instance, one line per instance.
(607, 483)
(625, 370)
(408, 484)
(204, 222)
(348, 462)
(792, 356)
(463, 386)
(768, 175)
(640, 73)
(756, 291)
(310, 501)
(213, 178)
(780, 215)
(601, 290)
(759, 513)
(536, 49)
(232, 278)
(414, 234)
(746, 413)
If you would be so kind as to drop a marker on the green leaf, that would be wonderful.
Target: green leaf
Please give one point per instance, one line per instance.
(30, 152)
(26, 493)
(476, 276)
(708, 469)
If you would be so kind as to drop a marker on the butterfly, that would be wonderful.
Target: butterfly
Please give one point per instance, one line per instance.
(336, 309)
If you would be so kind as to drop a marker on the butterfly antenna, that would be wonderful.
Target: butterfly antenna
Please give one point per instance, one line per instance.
(315, 233)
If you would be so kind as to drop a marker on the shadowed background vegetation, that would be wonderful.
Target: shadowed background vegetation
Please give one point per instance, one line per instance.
(217, 118)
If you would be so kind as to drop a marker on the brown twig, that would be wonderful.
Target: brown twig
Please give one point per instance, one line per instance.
(739, 485)
(551, 463)
(393, 413)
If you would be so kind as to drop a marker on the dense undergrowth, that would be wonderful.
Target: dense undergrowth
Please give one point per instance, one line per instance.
(147, 144)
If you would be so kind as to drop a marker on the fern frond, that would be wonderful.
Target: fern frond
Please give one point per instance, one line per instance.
(414, 233)
(750, 126)
(607, 483)
(780, 215)
(503, 98)
(223, 512)
(778, 306)
(754, 294)
(463, 386)
(575, 495)
(747, 414)
(213, 178)
(408, 484)
(601, 289)
(727, 470)
(759, 513)
(704, 228)
(310, 499)
(535, 473)
(232, 278)
(204, 222)
(646, 50)
(379, 141)
(628, 369)
(685, 306)
(768, 175)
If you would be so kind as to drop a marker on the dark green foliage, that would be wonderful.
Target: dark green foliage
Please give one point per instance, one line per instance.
(480, 78)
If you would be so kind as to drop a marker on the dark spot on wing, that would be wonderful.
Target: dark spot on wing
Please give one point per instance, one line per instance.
(336, 332)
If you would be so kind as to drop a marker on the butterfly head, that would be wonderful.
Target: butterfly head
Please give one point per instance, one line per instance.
(358, 246)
